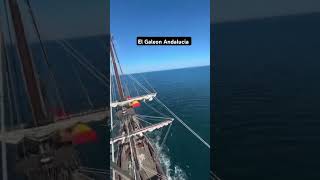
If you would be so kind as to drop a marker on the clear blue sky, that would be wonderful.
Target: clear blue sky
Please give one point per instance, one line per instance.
(132, 18)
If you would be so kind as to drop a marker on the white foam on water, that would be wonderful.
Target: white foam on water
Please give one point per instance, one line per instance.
(173, 172)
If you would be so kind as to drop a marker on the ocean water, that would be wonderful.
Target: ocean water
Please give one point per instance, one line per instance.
(187, 93)
(266, 99)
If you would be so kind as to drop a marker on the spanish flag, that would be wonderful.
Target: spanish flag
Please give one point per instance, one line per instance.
(82, 134)
(135, 104)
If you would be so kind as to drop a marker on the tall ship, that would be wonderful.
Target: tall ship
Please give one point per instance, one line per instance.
(134, 153)
(134, 157)
(44, 142)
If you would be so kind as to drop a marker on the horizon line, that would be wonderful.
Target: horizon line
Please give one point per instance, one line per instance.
(186, 67)
(250, 19)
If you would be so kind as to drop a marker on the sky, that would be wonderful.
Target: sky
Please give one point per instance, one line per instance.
(237, 10)
(60, 19)
(132, 18)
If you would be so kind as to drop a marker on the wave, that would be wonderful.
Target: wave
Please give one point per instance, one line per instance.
(173, 172)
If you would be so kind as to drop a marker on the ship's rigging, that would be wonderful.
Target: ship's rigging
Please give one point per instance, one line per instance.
(44, 144)
(130, 130)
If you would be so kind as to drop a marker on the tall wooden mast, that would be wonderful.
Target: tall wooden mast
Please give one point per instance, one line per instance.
(116, 72)
(32, 84)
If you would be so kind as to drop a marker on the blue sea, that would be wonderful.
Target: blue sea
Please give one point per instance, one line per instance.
(266, 98)
(187, 93)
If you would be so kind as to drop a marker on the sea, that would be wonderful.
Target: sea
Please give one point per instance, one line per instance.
(266, 100)
(186, 92)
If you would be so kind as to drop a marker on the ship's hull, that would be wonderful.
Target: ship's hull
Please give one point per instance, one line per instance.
(136, 154)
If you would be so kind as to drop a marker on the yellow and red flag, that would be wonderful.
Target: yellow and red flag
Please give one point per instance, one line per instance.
(82, 134)
(135, 104)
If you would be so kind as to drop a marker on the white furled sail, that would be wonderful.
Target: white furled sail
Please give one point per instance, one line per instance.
(142, 130)
(37, 133)
(148, 97)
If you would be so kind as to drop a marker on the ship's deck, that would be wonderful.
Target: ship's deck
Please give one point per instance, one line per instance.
(146, 165)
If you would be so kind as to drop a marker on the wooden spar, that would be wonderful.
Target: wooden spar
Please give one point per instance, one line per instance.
(33, 88)
(120, 90)
(37, 133)
(142, 130)
(2, 117)
(148, 97)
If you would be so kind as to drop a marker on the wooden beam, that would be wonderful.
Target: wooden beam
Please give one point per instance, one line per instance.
(33, 88)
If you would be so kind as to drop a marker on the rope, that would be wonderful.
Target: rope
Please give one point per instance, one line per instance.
(84, 59)
(134, 86)
(9, 85)
(85, 91)
(51, 73)
(143, 120)
(185, 125)
(144, 88)
(102, 79)
(156, 117)
(93, 170)
(214, 176)
(165, 137)
(155, 110)
(152, 171)
(9, 64)
(116, 56)
(147, 82)
(113, 84)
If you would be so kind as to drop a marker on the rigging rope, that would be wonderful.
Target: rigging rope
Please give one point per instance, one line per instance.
(185, 125)
(9, 87)
(154, 172)
(134, 79)
(155, 117)
(143, 120)
(116, 56)
(132, 158)
(85, 91)
(44, 51)
(14, 79)
(214, 176)
(147, 82)
(93, 170)
(113, 84)
(134, 86)
(165, 137)
(84, 59)
(155, 109)
(102, 79)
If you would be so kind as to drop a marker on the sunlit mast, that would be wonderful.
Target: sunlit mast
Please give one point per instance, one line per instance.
(122, 104)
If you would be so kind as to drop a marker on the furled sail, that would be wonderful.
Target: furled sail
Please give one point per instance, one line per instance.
(140, 132)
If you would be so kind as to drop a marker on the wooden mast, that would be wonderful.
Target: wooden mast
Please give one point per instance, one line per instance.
(32, 84)
(120, 90)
